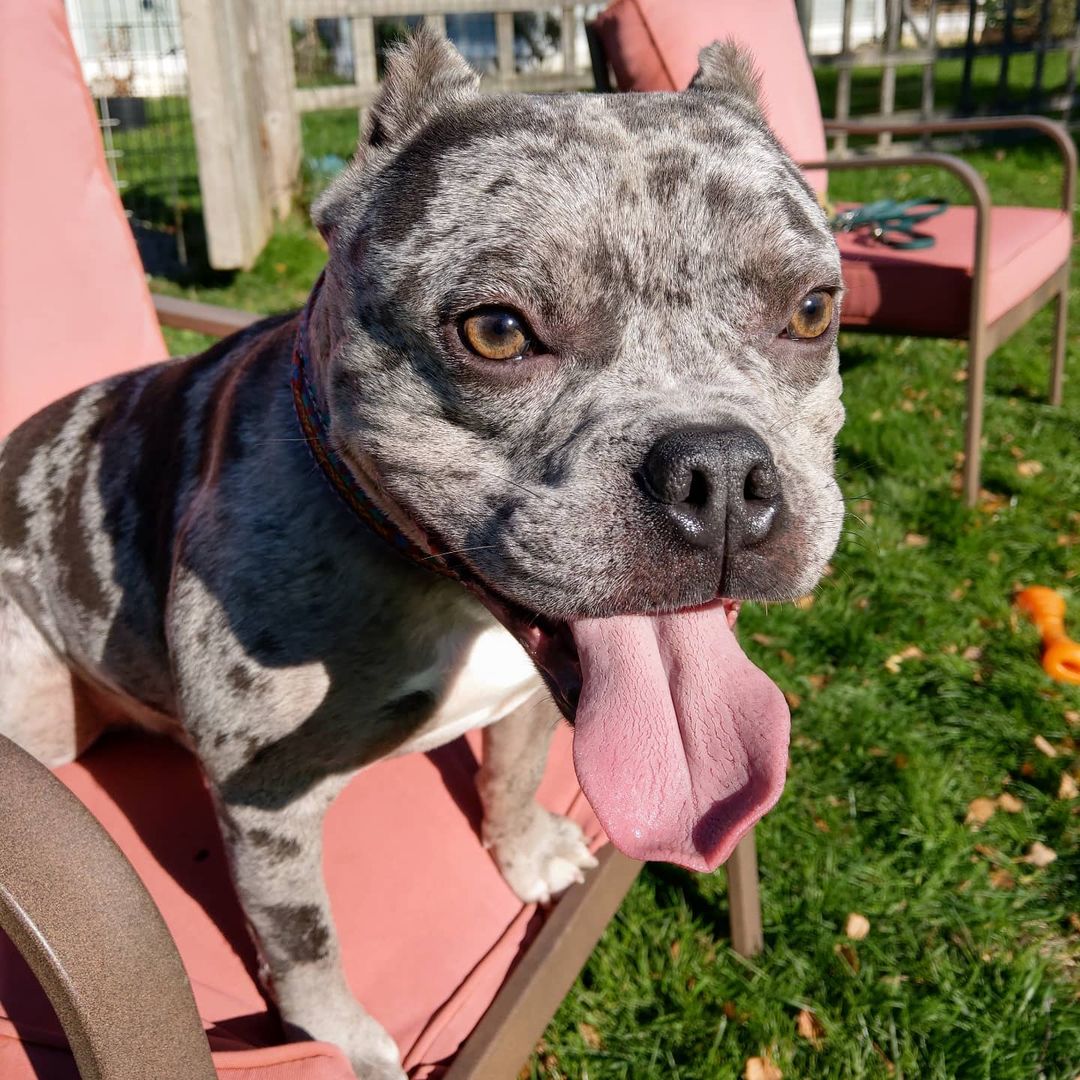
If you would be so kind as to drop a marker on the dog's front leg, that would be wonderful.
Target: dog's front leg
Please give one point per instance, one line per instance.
(539, 853)
(276, 857)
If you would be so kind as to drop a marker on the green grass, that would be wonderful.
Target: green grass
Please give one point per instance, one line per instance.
(969, 969)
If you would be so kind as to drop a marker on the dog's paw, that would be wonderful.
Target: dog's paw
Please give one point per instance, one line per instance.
(341, 1020)
(541, 855)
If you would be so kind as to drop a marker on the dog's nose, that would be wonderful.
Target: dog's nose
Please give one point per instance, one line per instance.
(719, 486)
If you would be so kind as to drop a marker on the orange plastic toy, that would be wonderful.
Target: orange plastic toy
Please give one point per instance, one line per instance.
(1046, 609)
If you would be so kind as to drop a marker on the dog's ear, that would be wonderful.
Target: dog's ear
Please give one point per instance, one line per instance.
(728, 69)
(424, 76)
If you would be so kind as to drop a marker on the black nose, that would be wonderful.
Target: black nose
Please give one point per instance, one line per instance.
(720, 486)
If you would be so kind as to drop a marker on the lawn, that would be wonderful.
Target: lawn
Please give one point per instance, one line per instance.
(915, 690)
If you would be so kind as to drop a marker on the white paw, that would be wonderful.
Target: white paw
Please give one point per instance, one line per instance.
(338, 1018)
(541, 856)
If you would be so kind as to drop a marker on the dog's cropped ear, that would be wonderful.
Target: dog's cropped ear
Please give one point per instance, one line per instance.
(424, 76)
(728, 69)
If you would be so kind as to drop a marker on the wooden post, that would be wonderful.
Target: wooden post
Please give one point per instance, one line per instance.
(365, 71)
(226, 113)
(277, 85)
(744, 898)
(893, 16)
(843, 78)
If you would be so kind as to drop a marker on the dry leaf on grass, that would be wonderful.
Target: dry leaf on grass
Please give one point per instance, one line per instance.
(848, 954)
(762, 1068)
(1072, 717)
(1039, 856)
(980, 811)
(1002, 879)
(793, 700)
(912, 652)
(1067, 789)
(1044, 747)
(960, 375)
(590, 1036)
(809, 1028)
(817, 682)
(857, 926)
(821, 825)
(762, 639)
(972, 652)
(1029, 468)
(914, 539)
(804, 603)
(1009, 803)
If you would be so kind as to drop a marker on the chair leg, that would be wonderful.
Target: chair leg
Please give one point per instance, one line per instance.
(744, 898)
(1057, 365)
(976, 382)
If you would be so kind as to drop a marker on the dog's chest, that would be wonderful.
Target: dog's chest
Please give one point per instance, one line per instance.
(475, 685)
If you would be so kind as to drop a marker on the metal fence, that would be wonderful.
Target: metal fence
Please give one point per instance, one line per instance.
(999, 56)
(132, 57)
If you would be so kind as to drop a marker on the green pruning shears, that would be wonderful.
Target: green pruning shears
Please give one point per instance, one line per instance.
(892, 222)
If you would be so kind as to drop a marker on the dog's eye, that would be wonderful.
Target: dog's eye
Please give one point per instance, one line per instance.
(496, 334)
(812, 317)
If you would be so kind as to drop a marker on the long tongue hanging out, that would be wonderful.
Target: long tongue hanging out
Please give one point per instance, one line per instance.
(680, 743)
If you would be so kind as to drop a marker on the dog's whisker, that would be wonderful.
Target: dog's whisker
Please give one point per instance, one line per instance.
(459, 551)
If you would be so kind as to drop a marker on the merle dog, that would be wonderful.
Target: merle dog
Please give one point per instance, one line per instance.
(576, 352)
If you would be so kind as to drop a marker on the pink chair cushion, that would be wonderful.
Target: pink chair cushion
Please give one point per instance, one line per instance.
(654, 45)
(428, 926)
(73, 295)
(929, 291)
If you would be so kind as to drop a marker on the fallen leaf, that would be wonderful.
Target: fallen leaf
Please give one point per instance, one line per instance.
(809, 1027)
(958, 593)
(1009, 803)
(1027, 769)
(1029, 468)
(876, 751)
(876, 416)
(590, 1036)
(1067, 789)
(1072, 716)
(1044, 747)
(912, 652)
(862, 603)
(821, 825)
(980, 811)
(787, 657)
(857, 926)
(1074, 921)
(805, 602)
(675, 948)
(914, 539)
(762, 1068)
(901, 761)
(817, 682)
(793, 700)
(1002, 879)
(960, 375)
(1068, 541)
(1039, 855)
(972, 652)
(762, 639)
(907, 406)
(994, 557)
(848, 954)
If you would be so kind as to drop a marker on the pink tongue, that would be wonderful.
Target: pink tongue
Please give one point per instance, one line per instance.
(680, 743)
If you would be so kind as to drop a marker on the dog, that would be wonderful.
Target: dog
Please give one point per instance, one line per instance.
(566, 394)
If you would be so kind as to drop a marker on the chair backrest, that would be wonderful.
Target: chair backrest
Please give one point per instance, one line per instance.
(74, 305)
(654, 45)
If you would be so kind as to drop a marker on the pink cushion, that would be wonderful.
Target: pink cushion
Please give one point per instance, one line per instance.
(429, 927)
(929, 291)
(73, 295)
(654, 45)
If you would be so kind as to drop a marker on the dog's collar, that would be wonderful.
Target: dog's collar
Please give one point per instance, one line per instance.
(341, 478)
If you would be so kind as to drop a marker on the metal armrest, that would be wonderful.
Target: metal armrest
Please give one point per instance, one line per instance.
(74, 907)
(205, 318)
(1050, 128)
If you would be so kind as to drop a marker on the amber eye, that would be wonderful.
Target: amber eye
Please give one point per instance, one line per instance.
(496, 333)
(812, 317)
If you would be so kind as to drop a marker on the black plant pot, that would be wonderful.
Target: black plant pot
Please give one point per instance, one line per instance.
(130, 112)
